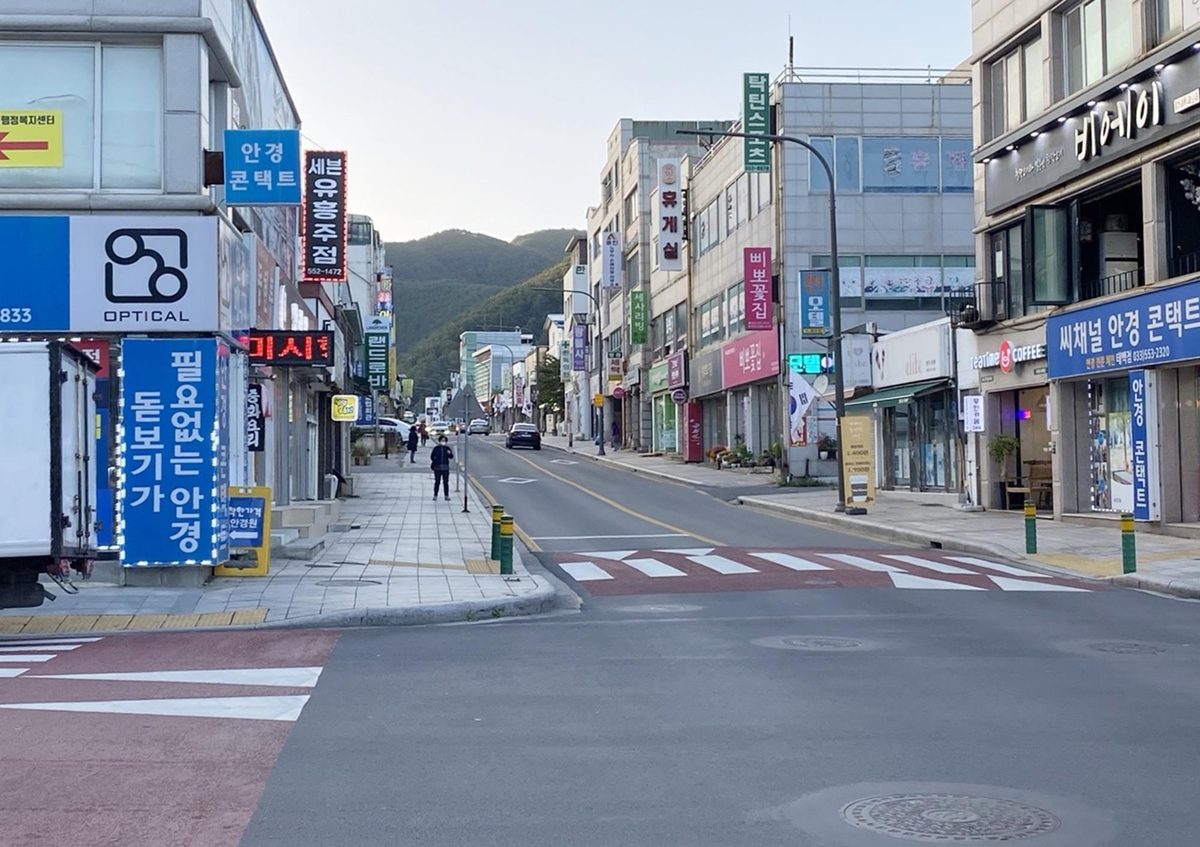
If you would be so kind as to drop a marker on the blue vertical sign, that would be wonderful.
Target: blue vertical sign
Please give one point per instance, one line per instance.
(173, 509)
(1141, 402)
(815, 288)
(262, 167)
(35, 275)
(366, 410)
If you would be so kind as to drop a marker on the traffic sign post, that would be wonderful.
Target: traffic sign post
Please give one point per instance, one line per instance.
(249, 531)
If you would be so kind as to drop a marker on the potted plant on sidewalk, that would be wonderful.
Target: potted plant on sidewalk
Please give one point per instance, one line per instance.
(827, 447)
(999, 449)
(361, 452)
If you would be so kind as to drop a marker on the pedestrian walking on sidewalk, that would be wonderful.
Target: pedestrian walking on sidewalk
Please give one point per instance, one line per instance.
(413, 439)
(616, 435)
(424, 434)
(440, 460)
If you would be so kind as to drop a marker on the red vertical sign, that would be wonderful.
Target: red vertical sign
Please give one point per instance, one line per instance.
(693, 423)
(757, 264)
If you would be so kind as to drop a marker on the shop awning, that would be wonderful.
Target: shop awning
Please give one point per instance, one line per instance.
(889, 397)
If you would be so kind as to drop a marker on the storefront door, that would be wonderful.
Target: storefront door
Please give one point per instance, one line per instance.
(898, 437)
(1110, 430)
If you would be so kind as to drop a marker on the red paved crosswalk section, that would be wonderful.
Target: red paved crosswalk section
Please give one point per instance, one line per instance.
(697, 570)
(147, 740)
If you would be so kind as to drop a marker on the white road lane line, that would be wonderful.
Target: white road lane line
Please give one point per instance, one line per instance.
(791, 562)
(860, 562)
(994, 566)
(585, 571)
(653, 567)
(721, 565)
(940, 567)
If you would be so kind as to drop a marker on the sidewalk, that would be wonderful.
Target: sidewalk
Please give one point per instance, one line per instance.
(407, 560)
(663, 467)
(1164, 563)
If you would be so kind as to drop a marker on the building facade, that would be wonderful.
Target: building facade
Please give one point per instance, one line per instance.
(1087, 312)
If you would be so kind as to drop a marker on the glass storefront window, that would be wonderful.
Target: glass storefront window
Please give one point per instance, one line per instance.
(1111, 433)
(131, 118)
(664, 424)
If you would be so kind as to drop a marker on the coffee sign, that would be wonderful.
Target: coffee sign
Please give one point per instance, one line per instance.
(1008, 356)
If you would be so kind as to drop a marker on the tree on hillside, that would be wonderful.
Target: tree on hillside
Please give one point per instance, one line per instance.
(550, 385)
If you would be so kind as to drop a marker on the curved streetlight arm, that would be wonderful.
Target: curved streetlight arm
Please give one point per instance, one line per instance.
(835, 296)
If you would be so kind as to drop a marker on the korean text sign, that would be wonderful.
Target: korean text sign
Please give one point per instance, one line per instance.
(1161, 325)
(324, 216)
(173, 508)
(756, 120)
(751, 358)
(611, 261)
(756, 263)
(282, 348)
(670, 216)
(815, 290)
(262, 167)
(638, 317)
(256, 419)
(579, 347)
(1143, 407)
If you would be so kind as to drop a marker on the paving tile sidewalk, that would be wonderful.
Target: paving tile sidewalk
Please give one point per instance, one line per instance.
(663, 467)
(406, 561)
(1164, 563)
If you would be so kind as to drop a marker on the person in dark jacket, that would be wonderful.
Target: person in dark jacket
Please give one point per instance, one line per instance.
(413, 439)
(440, 460)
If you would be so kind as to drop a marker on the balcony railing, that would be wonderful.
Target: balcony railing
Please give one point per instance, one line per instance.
(985, 305)
(1184, 265)
(1113, 284)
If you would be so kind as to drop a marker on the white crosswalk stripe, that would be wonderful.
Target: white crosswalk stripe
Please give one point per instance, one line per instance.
(933, 566)
(907, 580)
(790, 562)
(10, 673)
(585, 571)
(691, 551)
(860, 562)
(653, 567)
(721, 565)
(23, 658)
(1008, 569)
(25, 648)
(1008, 584)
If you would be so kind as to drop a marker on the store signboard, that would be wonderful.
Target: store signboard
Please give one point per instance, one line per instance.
(1143, 406)
(324, 222)
(677, 374)
(972, 413)
(639, 318)
(912, 355)
(1008, 356)
(670, 216)
(262, 167)
(756, 268)
(693, 427)
(749, 359)
(858, 459)
(610, 261)
(815, 294)
(1160, 325)
(756, 120)
(579, 341)
(706, 374)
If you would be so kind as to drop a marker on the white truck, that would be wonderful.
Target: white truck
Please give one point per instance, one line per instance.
(48, 499)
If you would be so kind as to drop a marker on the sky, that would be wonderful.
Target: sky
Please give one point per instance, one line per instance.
(493, 116)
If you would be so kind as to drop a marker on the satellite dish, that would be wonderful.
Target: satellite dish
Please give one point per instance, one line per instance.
(820, 384)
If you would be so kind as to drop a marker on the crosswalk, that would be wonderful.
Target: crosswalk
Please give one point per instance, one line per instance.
(708, 569)
(35, 652)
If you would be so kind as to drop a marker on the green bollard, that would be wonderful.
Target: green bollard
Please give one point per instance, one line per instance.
(1030, 527)
(497, 513)
(1128, 544)
(506, 545)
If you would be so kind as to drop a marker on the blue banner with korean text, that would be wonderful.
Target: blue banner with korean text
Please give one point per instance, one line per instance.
(262, 167)
(1157, 326)
(174, 454)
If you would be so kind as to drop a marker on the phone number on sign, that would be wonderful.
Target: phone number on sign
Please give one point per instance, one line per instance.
(1153, 354)
(16, 316)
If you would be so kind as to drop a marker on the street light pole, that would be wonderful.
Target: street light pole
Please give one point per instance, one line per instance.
(835, 297)
(596, 303)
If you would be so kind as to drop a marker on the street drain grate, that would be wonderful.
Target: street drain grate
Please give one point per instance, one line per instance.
(348, 582)
(1127, 648)
(949, 818)
(812, 643)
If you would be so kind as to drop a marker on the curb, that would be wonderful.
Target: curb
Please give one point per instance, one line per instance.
(1162, 585)
(895, 533)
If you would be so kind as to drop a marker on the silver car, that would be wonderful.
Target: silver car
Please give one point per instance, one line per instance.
(479, 426)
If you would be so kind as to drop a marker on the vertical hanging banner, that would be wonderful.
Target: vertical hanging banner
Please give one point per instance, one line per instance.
(324, 229)
(1143, 407)
(638, 319)
(610, 261)
(579, 347)
(173, 506)
(756, 120)
(256, 418)
(815, 290)
(757, 268)
(670, 216)
(564, 359)
(376, 336)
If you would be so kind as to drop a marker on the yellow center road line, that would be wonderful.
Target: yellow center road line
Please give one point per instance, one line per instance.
(614, 504)
(529, 543)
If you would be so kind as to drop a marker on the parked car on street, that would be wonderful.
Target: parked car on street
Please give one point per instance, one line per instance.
(523, 435)
(479, 426)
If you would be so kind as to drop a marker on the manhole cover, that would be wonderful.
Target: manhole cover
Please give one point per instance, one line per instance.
(348, 582)
(658, 609)
(819, 643)
(949, 818)
(1128, 648)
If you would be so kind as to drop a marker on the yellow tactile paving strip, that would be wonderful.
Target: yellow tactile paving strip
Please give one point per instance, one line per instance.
(1098, 567)
(482, 566)
(41, 624)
